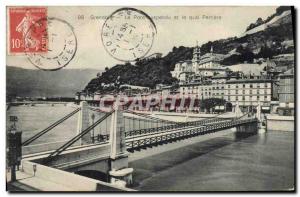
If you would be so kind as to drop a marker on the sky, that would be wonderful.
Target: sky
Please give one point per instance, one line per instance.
(206, 24)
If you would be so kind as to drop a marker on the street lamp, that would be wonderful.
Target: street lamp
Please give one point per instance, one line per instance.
(93, 131)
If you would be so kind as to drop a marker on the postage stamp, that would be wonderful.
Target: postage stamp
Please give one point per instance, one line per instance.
(128, 34)
(28, 33)
(62, 45)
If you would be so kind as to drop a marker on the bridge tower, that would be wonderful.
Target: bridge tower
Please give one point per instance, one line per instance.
(261, 126)
(119, 171)
(83, 123)
(237, 110)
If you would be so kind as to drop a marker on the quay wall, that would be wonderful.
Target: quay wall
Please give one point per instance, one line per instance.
(280, 123)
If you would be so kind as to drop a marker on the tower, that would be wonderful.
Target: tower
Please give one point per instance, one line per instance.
(196, 53)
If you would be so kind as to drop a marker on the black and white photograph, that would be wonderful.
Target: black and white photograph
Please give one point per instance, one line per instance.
(150, 99)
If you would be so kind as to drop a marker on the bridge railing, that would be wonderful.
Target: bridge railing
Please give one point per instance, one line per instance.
(100, 138)
(174, 135)
(172, 126)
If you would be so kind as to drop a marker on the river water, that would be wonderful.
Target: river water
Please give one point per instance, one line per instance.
(262, 162)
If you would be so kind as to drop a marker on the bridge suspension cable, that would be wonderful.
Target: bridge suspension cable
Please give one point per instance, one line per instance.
(243, 116)
(173, 125)
(76, 138)
(149, 117)
(39, 134)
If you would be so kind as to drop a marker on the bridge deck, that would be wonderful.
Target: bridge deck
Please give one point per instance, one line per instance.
(165, 136)
(159, 133)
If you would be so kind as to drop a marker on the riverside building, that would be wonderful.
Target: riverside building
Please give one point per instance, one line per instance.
(205, 66)
(247, 93)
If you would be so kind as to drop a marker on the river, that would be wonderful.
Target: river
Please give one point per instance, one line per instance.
(263, 162)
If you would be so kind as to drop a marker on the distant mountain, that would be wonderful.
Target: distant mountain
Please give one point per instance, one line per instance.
(38, 83)
(274, 39)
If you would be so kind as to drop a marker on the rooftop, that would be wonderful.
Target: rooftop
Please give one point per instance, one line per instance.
(249, 81)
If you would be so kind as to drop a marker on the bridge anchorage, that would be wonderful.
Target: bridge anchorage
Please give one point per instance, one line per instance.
(108, 152)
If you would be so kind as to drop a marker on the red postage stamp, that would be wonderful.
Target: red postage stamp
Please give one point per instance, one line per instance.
(27, 30)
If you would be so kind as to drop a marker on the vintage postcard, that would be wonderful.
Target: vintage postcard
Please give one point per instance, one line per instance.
(150, 99)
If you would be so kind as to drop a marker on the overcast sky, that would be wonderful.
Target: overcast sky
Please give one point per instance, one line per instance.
(219, 23)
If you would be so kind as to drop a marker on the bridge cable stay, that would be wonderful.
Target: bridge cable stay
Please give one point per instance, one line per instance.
(44, 131)
(173, 121)
(203, 121)
(215, 117)
(176, 123)
(76, 138)
(149, 117)
(132, 118)
(156, 119)
(243, 116)
(140, 115)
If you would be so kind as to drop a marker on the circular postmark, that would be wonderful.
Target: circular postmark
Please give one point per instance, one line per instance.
(128, 34)
(60, 42)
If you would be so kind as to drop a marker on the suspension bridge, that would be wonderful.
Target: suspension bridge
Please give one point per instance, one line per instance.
(107, 151)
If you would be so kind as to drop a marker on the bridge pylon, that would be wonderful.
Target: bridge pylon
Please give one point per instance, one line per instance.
(83, 123)
(261, 126)
(119, 172)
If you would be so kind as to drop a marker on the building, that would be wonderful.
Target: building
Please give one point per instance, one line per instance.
(203, 90)
(207, 65)
(182, 70)
(249, 93)
(286, 93)
(83, 96)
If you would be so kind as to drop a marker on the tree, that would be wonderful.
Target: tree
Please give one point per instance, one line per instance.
(281, 9)
(240, 49)
(266, 52)
(210, 103)
(259, 21)
(228, 106)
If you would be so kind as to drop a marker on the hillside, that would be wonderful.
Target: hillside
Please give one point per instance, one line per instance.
(274, 19)
(274, 40)
(145, 73)
(37, 83)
